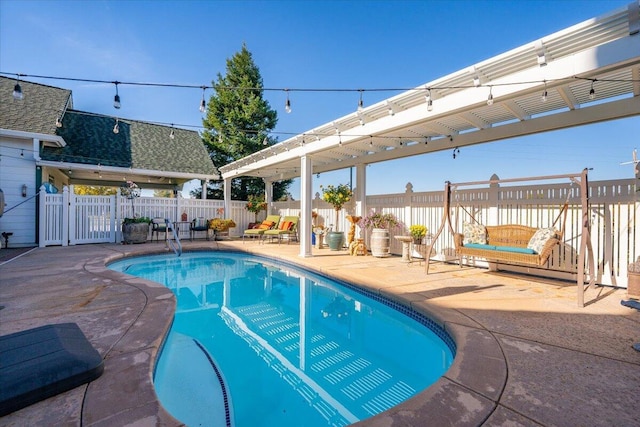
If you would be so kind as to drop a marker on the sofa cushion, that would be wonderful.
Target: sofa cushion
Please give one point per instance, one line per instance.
(474, 233)
(515, 249)
(540, 238)
(480, 246)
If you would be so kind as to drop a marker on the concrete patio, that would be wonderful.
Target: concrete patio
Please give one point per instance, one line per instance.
(527, 355)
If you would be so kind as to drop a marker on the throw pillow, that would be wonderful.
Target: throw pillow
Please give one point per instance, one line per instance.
(266, 225)
(474, 233)
(200, 222)
(540, 238)
(286, 225)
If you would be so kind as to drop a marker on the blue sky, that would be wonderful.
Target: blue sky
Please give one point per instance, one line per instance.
(310, 44)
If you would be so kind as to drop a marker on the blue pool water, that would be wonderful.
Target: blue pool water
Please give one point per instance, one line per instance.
(260, 343)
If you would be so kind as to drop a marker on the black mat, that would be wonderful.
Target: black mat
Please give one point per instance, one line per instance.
(42, 362)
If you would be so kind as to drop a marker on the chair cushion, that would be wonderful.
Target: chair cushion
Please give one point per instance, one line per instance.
(286, 225)
(266, 225)
(540, 238)
(200, 222)
(474, 233)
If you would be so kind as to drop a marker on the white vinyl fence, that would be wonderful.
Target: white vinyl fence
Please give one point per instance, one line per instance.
(613, 205)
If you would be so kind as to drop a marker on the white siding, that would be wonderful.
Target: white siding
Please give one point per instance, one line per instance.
(17, 168)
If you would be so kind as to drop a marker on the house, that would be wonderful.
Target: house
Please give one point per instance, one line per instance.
(43, 140)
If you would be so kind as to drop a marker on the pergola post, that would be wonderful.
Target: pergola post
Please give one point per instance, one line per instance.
(304, 225)
(227, 197)
(268, 195)
(361, 190)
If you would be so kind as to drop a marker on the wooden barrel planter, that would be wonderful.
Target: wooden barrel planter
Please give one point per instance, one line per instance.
(379, 244)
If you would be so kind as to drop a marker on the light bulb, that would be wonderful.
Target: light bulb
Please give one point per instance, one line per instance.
(58, 122)
(287, 106)
(172, 134)
(429, 105)
(116, 128)
(592, 93)
(116, 99)
(490, 98)
(17, 92)
(544, 96)
(203, 105)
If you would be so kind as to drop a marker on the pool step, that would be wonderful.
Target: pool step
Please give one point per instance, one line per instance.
(355, 378)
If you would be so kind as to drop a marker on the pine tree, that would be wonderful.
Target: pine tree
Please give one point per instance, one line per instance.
(238, 123)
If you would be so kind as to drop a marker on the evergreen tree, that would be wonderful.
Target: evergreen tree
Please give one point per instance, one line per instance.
(237, 124)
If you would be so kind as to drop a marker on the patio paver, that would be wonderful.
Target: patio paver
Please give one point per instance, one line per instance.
(527, 355)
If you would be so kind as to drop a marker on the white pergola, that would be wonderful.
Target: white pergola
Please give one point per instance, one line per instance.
(601, 55)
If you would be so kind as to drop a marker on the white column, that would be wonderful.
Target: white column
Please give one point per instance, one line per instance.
(361, 190)
(203, 194)
(227, 197)
(304, 225)
(268, 195)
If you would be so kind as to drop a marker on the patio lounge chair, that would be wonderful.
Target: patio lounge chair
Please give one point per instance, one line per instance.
(199, 224)
(159, 225)
(270, 222)
(288, 226)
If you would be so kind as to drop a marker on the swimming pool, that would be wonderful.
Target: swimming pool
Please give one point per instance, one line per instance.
(256, 342)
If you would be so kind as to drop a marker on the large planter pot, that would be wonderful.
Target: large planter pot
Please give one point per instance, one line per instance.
(136, 232)
(379, 244)
(335, 240)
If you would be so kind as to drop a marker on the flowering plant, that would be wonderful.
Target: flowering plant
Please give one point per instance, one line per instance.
(256, 204)
(418, 231)
(378, 220)
(336, 195)
(220, 224)
(130, 190)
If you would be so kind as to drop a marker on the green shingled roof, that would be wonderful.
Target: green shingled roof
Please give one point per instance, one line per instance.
(36, 112)
(90, 139)
(138, 145)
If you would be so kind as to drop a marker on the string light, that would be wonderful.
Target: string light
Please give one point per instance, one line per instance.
(203, 103)
(58, 122)
(172, 134)
(360, 102)
(287, 104)
(429, 100)
(544, 94)
(17, 90)
(456, 151)
(116, 128)
(490, 98)
(592, 92)
(116, 99)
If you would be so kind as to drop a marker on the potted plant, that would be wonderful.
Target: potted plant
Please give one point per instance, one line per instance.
(380, 223)
(337, 196)
(418, 232)
(255, 205)
(221, 227)
(134, 229)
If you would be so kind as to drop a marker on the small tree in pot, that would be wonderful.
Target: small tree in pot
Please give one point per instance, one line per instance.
(337, 196)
